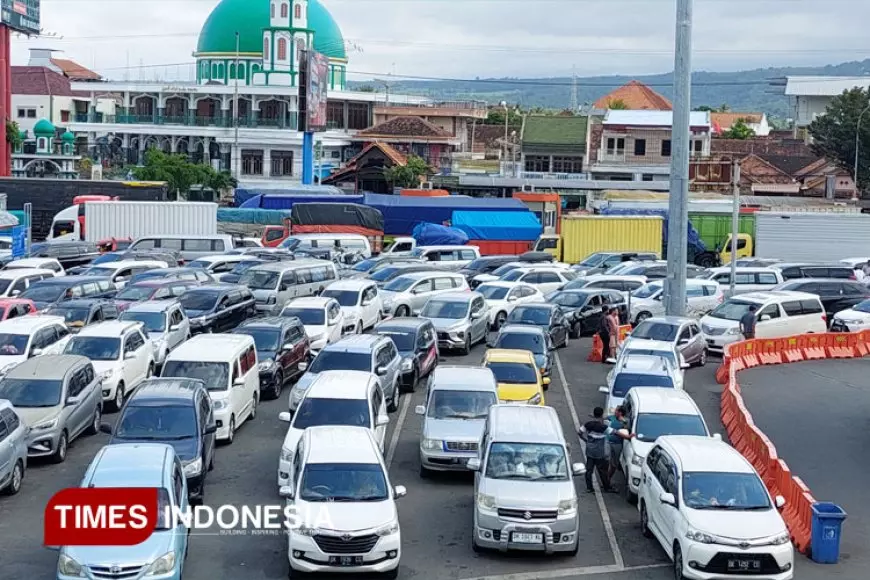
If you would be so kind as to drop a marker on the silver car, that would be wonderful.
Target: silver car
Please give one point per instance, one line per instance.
(455, 412)
(13, 449)
(58, 397)
(407, 294)
(164, 322)
(460, 318)
(683, 333)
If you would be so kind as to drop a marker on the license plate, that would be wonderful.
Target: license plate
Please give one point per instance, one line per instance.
(526, 538)
(345, 560)
(744, 565)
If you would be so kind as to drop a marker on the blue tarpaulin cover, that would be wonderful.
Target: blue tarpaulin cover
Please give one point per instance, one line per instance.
(695, 240)
(286, 201)
(513, 226)
(262, 217)
(403, 213)
(437, 235)
(243, 194)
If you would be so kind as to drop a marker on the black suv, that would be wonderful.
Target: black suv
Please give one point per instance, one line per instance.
(485, 265)
(583, 308)
(281, 346)
(217, 308)
(809, 270)
(550, 317)
(836, 294)
(417, 343)
(175, 411)
(80, 313)
(69, 254)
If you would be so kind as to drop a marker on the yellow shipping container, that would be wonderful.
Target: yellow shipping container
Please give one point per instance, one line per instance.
(586, 234)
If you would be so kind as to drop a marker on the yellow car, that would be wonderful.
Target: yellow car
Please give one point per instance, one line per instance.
(519, 379)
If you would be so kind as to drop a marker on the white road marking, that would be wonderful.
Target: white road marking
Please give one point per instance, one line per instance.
(605, 516)
(567, 572)
(394, 441)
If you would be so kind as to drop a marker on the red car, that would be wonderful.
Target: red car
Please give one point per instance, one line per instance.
(14, 307)
(155, 289)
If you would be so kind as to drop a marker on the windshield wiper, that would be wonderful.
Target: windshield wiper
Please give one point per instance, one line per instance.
(371, 498)
(514, 476)
(553, 476)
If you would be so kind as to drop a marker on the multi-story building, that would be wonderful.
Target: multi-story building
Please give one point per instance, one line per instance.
(811, 95)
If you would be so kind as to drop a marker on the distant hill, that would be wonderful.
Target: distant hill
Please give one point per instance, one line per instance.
(747, 91)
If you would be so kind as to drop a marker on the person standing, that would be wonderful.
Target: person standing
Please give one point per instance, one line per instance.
(747, 323)
(614, 332)
(604, 333)
(616, 422)
(595, 433)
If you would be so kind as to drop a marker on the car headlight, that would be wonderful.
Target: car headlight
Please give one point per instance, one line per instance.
(735, 330)
(66, 566)
(457, 334)
(298, 393)
(272, 300)
(220, 404)
(165, 564)
(198, 320)
(637, 460)
(486, 501)
(407, 365)
(106, 375)
(432, 444)
(389, 529)
(193, 468)
(266, 365)
(567, 506)
(699, 536)
(286, 454)
(45, 425)
(847, 321)
(781, 539)
(536, 400)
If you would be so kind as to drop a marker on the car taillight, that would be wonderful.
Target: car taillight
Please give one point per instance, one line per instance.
(824, 317)
(853, 276)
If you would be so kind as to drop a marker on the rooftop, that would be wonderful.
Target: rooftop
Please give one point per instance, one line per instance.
(74, 71)
(821, 86)
(210, 347)
(341, 385)
(406, 126)
(724, 121)
(635, 95)
(568, 133)
(40, 80)
(130, 465)
(340, 444)
(637, 118)
(27, 324)
(109, 328)
(664, 400)
(462, 377)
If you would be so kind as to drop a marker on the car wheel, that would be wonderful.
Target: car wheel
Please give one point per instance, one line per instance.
(630, 497)
(474, 545)
(565, 342)
(211, 462)
(231, 430)
(394, 402)
(466, 348)
(576, 330)
(118, 402)
(402, 311)
(150, 372)
(16, 479)
(424, 473)
(575, 549)
(413, 386)
(391, 574)
(62, 447)
(703, 360)
(94, 427)
(678, 562)
(644, 522)
(279, 384)
(500, 319)
(359, 328)
(254, 402)
(641, 317)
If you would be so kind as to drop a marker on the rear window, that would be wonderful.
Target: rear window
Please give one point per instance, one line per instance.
(626, 381)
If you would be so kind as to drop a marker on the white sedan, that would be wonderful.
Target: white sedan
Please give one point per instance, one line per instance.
(503, 297)
(853, 319)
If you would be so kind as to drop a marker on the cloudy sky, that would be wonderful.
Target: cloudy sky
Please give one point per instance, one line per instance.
(153, 39)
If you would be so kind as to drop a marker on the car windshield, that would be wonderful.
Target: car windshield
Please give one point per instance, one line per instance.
(539, 316)
(385, 273)
(4, 284)
(513, 372)
(72, 316)
(337, 482)
(449, 404)
(668, 354)
(308, 316)
(336, 360)
(405, 339)
(528, 461)
(314, 412)
(343, 297)
(215, 375)
(491, 292)
(570, 299)
(135, 293)
(620, 268)
(731, 310)
(400, 284)
(31, 392)
(266, 339)
(653, 330)
(242, 267)
(365, 265)
(95, 347)
(594, 260)
(504, 269)
(44, 292)
(647, 291)
(259, 280)
(513, 276)
(204, 264)
(163, 423)
(202, 301)
(624, 382)
(449, 309)
(152, 321)
(478, 264)
(862, 306)
(522, 341)
(13, 344)
(106, 258)
(724, 491)
(99, 271)
(651, 426)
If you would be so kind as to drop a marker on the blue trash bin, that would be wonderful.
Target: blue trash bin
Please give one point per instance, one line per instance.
(827, 525)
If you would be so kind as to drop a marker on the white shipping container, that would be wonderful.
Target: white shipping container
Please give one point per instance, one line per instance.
(136, 219)
(811, 237)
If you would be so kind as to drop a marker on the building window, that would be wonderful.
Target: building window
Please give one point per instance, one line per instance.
(282, 163)
(40, 143)
(27, 113)
(335, 114)
(272, 10)
(567, 165)
(252, 162)
(666, 148)
(298, 11)
(265, 49)
(282, 49)
(64, 116)
(615, 146)
(284, 11)
(647, 177)
(697, 147)
(537, 163)
(22, 113)
(639, 147)
(357, 116)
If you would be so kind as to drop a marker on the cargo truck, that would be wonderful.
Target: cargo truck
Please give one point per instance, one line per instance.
(582, 235)
(811, 236)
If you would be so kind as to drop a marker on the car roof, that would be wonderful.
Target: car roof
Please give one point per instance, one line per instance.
(71, 280)
(340, 444)
(130, 465)
(505, 283)
(509, 355)
(206, 347)
(664, 400)
(747, 269)
(403, 323)
(81, 302)
(356, 343)
(432, 272)
(459, 296)
(812, 280)
(526, 423)
(52, 367)
(27, 324)
(538, 305)
(109, 328)
(268, 322)
(16, 264)
(521, 329)
(19, 272)
(705, 454)
(676, 320)
(341, 385)
(462, 378)
(310, 302)
(774, 295)
(130, 264)
(171, 389)
(289, 265)
(351, 284)
(644, 364)
(215, 288)
(649, 344)
(158, 282)
(152, 306)
(222, 257)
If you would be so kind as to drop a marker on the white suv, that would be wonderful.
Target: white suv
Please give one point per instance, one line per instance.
(122, 356)
(711, 513)
(702, 296)
(640, 371)
(25, 337)
(360, 302)
(341, 492)
(322, 318)
(503, 297)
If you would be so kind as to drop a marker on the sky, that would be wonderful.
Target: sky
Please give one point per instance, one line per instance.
(136, 39)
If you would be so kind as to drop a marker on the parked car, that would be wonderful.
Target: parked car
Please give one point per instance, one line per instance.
(531, 338)
(51, 264)
(598, 262)
(702, 296)
(218, 264)
(67, 253)
(518, 376)
(853, 319)
(369, 266)
(58, 397)
(322, 318)
(639, 371)
(120, 273)
(792, 271)
(217, 308)
(503, 297)
(746, 279)
(550, 317)
(234, 275)
(461, 319)
(417, 343)
(582, 309)
(83, 312)
(276, 283)
(282, 346)
(154, 289)
(485, 265)
(192, 274)
(683, 334)
(15, 307)
(13, 448)
(26, 337)
(177, 412)
(360, 302)
(544, 278)
(607, 281)
(14, 282)
(836, 294)
(387, 274)
(408, 293)
(54, 290)
(448, 257)
(163, 322)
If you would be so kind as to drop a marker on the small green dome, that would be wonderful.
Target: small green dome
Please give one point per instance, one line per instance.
(68, 137)
(23, 135)
(250, 17)
(44, 128)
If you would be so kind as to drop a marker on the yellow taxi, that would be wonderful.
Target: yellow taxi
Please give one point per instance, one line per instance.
(518, 377)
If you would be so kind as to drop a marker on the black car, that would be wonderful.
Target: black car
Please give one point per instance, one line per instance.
(51, 291)
(234, 275)
(836, 294)
(598, 262)
(485, 265)
(550, 317)
(195, 274)
(177, 412)
(83, 312)
(809, 270)
(531, 338)
(69, 254)
(384, 275)
(373, 264)
(217, 308)
(417, 343)
(281, 346)
(583, 308)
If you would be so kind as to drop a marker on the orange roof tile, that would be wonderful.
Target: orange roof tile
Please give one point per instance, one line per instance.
(74, 70)
(636, 96)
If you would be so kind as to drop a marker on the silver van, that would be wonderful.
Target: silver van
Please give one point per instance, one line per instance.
(338, 241)
(525, 498)
(406, 295)
(448, 257)
(190, 247)
(13, 449)
(276, 283)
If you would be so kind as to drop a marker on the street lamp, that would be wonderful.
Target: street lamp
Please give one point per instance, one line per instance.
(858, 144)
(505, 106)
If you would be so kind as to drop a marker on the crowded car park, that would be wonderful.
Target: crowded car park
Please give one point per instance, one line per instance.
(439, 424)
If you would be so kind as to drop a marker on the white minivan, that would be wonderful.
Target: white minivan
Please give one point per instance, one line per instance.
(227, 364)
(276, 283)
(357, 243)
(360, 302)
(746, 279)
(448, 257)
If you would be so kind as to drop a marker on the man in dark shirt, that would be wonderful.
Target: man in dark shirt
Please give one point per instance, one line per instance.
(595, 433)
(604, 335)
(747, 323)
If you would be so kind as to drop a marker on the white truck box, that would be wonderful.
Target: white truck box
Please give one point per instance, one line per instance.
(136, 219)
(811, 236)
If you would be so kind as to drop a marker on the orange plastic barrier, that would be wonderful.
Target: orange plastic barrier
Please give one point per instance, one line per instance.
(597, 352)
(751, 442)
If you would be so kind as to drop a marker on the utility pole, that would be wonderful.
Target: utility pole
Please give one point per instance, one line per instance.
(236, 157)
(574, 90)
(735, 219)
(678, 210)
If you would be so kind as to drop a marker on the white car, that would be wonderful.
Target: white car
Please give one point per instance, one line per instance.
(164, 322)
(37, 263)
(503, 297)
(639, 371)
(335, 398)
(360, 302)
(702, 296)
(546, 279)
(852, 319)
(25, 337)
(121, 353)
(711, 513)
(652, 412)
(14, 282)
(747, 278)
(339, 479)
(322, 318)
(219, 264)
(641, 346)
(122, 271)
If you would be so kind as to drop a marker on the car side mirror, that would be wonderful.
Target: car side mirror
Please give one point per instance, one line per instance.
(366, 303)
(129, 355)
(764, 318)
(221, 307)
(546, 380)
(603, 390)
(381, 371)
(682, 341)
(283, 288)
(578, 469)
(287, 346)
(106, 428)
(72, 401)
(36, 352)
(717, 436)
(15, 292)
(668, 498)
(209, 429)
(303, 366)
(174, 327)
(420, 409)
(779, 502)
(683, 364)
(512, 299)
(382, 421)
(473, 464)
(285, 417)
(239, 382)
(400, 491)
(286, 491)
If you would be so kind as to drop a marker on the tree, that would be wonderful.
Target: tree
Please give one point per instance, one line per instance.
(366, 89)
(834, 133)
(407, 175)
(495, 116)
(13, 134)
(739, 130)
(180, 174)
(617, 105)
